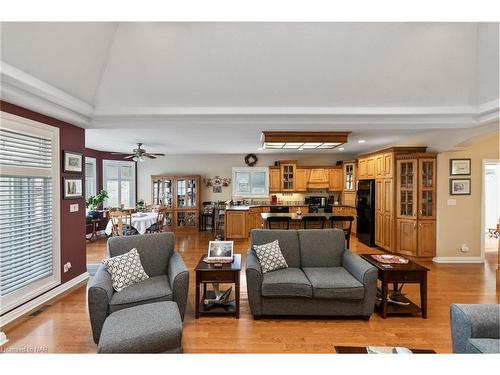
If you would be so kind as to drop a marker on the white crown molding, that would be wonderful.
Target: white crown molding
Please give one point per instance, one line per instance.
(457, 260)
(30, 92)
(40, 300)
(35, 103)
(488, 112)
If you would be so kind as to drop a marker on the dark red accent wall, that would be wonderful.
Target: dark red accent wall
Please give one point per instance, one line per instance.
(71, 138)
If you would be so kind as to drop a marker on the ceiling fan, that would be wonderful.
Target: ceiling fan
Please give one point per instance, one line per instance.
(139, 154)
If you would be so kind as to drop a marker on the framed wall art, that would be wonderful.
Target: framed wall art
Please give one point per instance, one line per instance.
(459, 167)
(460, 186)
(73, 162)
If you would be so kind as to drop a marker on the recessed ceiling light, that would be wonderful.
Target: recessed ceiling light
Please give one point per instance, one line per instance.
(361, 141)
(341, 148)
(260, 149)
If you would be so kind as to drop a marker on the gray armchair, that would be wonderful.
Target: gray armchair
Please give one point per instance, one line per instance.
(168, 278)
(475, 328)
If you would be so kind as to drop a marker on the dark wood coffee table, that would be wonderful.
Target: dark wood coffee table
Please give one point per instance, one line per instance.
(410, 273)
(363, 350)
(206, 273)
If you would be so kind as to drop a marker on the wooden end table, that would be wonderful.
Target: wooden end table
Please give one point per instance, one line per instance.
(364, 350)
(410, 273)
(206, 273)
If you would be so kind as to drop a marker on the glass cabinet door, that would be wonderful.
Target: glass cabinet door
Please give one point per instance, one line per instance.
(288, 174)
(186, 219)
(186, 193)
(349, 176)
(157, 190)
(167, 196)
(407, 184)
(427, 188)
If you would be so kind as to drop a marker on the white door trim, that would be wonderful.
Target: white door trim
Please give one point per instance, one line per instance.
(483, 200)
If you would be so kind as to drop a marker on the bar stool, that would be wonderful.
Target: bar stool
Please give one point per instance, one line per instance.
(342, 220)
(313, 219)
(281, 221)
(207, 213)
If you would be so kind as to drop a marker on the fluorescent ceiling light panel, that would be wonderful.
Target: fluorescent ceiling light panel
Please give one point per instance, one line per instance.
(300, 140)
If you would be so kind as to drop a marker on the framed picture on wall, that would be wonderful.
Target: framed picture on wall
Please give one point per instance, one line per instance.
(459, 167)
(73, 187)
(460, 186)
(73, 162)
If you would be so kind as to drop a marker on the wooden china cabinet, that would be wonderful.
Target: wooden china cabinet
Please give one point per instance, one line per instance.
(181, 196)
(416, 204)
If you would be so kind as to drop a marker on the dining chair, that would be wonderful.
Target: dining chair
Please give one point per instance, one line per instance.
(160, 221)
(307, 221)
(340, 222)
(281, 222)
(152, 208)
(121, 222)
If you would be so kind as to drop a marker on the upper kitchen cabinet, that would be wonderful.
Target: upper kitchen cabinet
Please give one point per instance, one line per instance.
(301, 179)
(349, 176)
(274, 180)
(366, 168)
(335, 179)
(288, 176)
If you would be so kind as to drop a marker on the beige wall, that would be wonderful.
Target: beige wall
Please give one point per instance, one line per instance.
(461, 224)
(216, 165)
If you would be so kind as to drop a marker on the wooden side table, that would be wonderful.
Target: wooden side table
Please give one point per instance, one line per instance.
(206, 273)
(410, 273)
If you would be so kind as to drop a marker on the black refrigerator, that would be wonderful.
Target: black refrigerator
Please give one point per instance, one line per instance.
(365, 209)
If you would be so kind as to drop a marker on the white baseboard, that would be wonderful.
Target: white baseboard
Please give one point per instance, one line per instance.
(458, 260)
(40, 300)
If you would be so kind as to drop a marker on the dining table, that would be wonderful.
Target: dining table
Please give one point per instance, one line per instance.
(141, 221)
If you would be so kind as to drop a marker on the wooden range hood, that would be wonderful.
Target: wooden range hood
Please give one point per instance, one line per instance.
(318, 179)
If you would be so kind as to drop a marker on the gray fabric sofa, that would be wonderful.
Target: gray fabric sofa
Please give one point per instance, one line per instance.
(168, 278)
(323, 278)
(475, 328)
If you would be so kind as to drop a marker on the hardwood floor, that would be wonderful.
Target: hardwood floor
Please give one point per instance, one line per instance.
(63, 326)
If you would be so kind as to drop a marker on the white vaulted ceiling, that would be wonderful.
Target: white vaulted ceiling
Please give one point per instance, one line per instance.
(213, 87)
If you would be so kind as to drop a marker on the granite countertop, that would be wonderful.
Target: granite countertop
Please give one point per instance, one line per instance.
(247, 207)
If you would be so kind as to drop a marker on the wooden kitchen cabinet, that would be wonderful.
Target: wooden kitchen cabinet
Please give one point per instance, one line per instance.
(426, 240)
(254, 219)
(288, 175)
(335, 179)
(416, 204)
(407, 237)
(235, 224)
(366, 168)
(301, 179)
(274, 180)
(349, 176)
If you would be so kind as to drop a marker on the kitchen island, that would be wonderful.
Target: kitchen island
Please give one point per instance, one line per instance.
(240, 220)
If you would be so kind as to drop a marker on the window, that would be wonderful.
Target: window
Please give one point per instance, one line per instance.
(119, 182)
(29, 215)
(90, 177)
(251, 182)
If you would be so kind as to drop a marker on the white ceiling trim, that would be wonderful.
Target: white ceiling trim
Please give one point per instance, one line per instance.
(16, 83)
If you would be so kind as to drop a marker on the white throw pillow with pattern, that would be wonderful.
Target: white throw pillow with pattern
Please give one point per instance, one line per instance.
(270, 256)
(125, 270)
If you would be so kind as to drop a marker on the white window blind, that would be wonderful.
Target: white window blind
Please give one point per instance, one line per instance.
(90, 177)
(119, 182)
(29, 201)
(251, 182)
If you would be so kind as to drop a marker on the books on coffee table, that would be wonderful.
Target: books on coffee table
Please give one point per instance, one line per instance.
(388, 350)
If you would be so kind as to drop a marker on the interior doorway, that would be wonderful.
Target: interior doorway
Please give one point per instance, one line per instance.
(491, 211)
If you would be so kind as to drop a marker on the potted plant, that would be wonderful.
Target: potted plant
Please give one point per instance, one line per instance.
(140, 205)
(93, 202)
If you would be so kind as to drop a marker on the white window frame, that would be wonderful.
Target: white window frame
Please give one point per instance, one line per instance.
(23, 125)
(120, 163)
(251, 170)
(93, 161)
